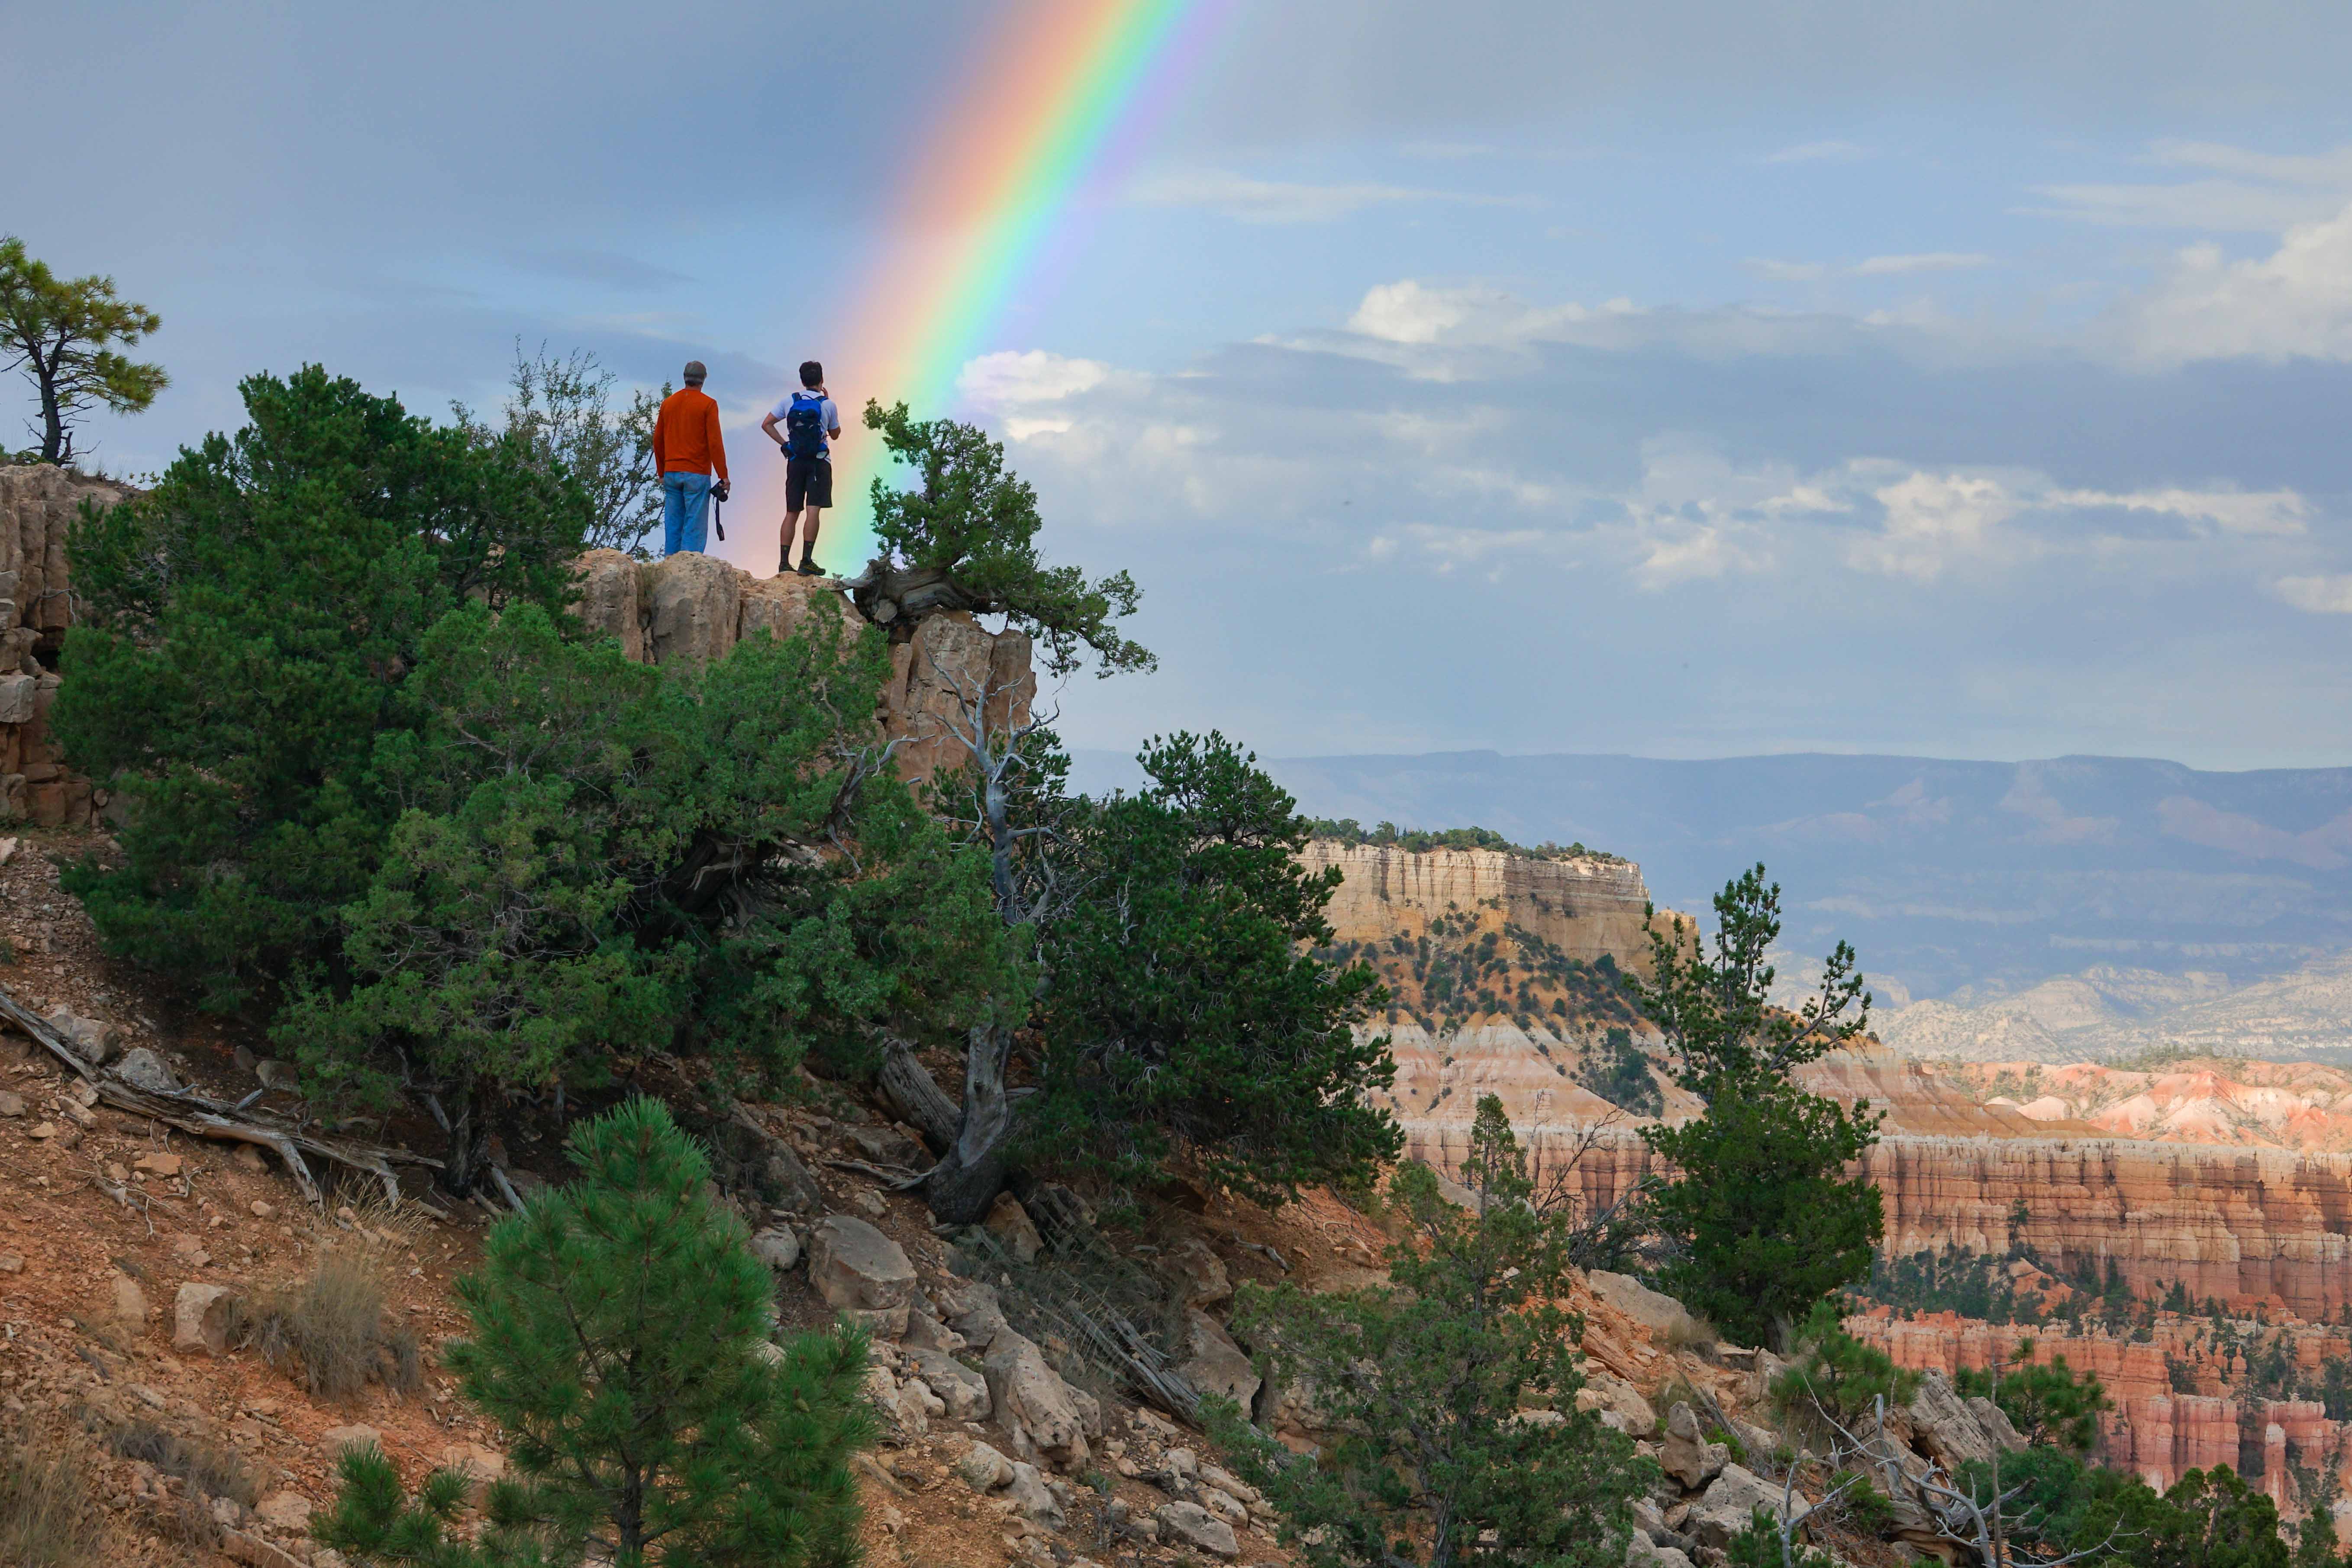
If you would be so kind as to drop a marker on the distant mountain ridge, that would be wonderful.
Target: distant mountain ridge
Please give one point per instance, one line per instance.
(1963, 880)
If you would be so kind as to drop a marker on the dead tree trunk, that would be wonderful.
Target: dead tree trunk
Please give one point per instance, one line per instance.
(972, 1167)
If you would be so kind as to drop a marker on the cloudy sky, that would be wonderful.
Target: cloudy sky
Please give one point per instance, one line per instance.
(1687, 378)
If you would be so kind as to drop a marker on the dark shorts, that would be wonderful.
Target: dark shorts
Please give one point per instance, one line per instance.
(808, 482)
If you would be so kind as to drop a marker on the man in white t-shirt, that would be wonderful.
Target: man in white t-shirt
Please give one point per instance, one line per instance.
(811, 424)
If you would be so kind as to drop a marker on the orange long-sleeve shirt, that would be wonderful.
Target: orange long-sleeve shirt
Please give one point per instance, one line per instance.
(685, 434)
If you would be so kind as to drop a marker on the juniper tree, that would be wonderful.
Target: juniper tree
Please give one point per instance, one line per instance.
(1419, 1391)
(620, 1341)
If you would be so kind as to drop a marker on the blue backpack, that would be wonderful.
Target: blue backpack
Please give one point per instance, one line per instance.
(804, 426)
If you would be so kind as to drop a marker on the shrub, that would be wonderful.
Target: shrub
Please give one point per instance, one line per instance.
(1844, 1375)
(329, 1329)
(202, 1467)
(47, 1516)
(2048, 1402)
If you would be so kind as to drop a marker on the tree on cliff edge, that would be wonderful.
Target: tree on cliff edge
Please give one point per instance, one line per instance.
(964, 538)
(1764, 1221)
(59, 333)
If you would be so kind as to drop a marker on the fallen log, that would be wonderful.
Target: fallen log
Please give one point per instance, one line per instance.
(194, 1113)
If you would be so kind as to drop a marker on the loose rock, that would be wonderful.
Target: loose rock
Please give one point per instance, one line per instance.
(1198, 1528)
(200, 1316)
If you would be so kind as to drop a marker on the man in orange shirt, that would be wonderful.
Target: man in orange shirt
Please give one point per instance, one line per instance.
(686, 450)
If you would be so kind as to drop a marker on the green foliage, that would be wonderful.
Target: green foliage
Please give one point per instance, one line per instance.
(975, 520)
(2048, 1402)
(2210, 1518)
(596, 856)
(2315, 1541)
(1840, 1372)
(1764, 1217)
(244, 630)
(619, 1340)
(1763, 1546)
(1764, 1220)
(1186, 1008)
(59, 333)
(1420, 1385)
(1716, 1011)
(1419, 840)
(561, 414)
(1954, 1278)
(1621, 1075)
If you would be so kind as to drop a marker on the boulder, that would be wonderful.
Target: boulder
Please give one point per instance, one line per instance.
(857, 1269)
(1208, 1359)
(1731, 1500)
(126, 1303)
(1944, 1428)
(963, 1391)
(284, 1510)
(1191, 1525)
(1199, 1273)
(1032, 1497)
(1668, 1320)
(609, 600)
(970, 1307)
(1225, 1481)
(1995, 1424)
(984, 1469)
(94, 1040)
(143, 1070)
(1607, 1391)
(691, 604)
(925, 1331)
(482, 1468)
(1034, 1403)
(1687, 1454)
(200, 1319)
(1641, 1553)
(778, 1246)
(1010, 1223)
(335, 1440)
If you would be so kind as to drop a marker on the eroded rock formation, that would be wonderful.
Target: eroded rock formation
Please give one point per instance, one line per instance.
(1588, 907)
(696, 607)
(38, 506)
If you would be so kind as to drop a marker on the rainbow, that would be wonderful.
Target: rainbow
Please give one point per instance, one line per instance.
(1065, 86)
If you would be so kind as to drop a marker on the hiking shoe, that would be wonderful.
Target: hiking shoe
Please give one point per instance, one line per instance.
(809, 569)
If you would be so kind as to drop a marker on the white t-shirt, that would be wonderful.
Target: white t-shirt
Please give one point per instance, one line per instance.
(832, 420)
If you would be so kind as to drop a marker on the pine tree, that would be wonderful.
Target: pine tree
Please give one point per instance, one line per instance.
(1430, 1461)
(620, 1339)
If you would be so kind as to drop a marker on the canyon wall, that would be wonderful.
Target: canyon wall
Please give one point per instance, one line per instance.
(38, 506)
(2253, 1228)
(1588, 907)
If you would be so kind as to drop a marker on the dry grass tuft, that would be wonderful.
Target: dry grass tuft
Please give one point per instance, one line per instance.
(48, 1517)
(202, 1467)
(329, 1329)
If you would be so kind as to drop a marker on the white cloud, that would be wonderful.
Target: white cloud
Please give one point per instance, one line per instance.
(2276, 512)
(2323, 596)
(2296, 302)
(1819, 152)
(2257, 192)
(1285, 201)
(1926, 261)
(1414, 312)
(1931, 521)
(1010, 380)
(1869, 267)
(1788, 272)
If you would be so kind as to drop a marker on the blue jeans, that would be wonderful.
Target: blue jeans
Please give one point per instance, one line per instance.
(686, 500)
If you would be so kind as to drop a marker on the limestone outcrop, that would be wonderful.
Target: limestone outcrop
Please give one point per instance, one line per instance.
(695, 609)
(38, 504)
(1588, 907)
